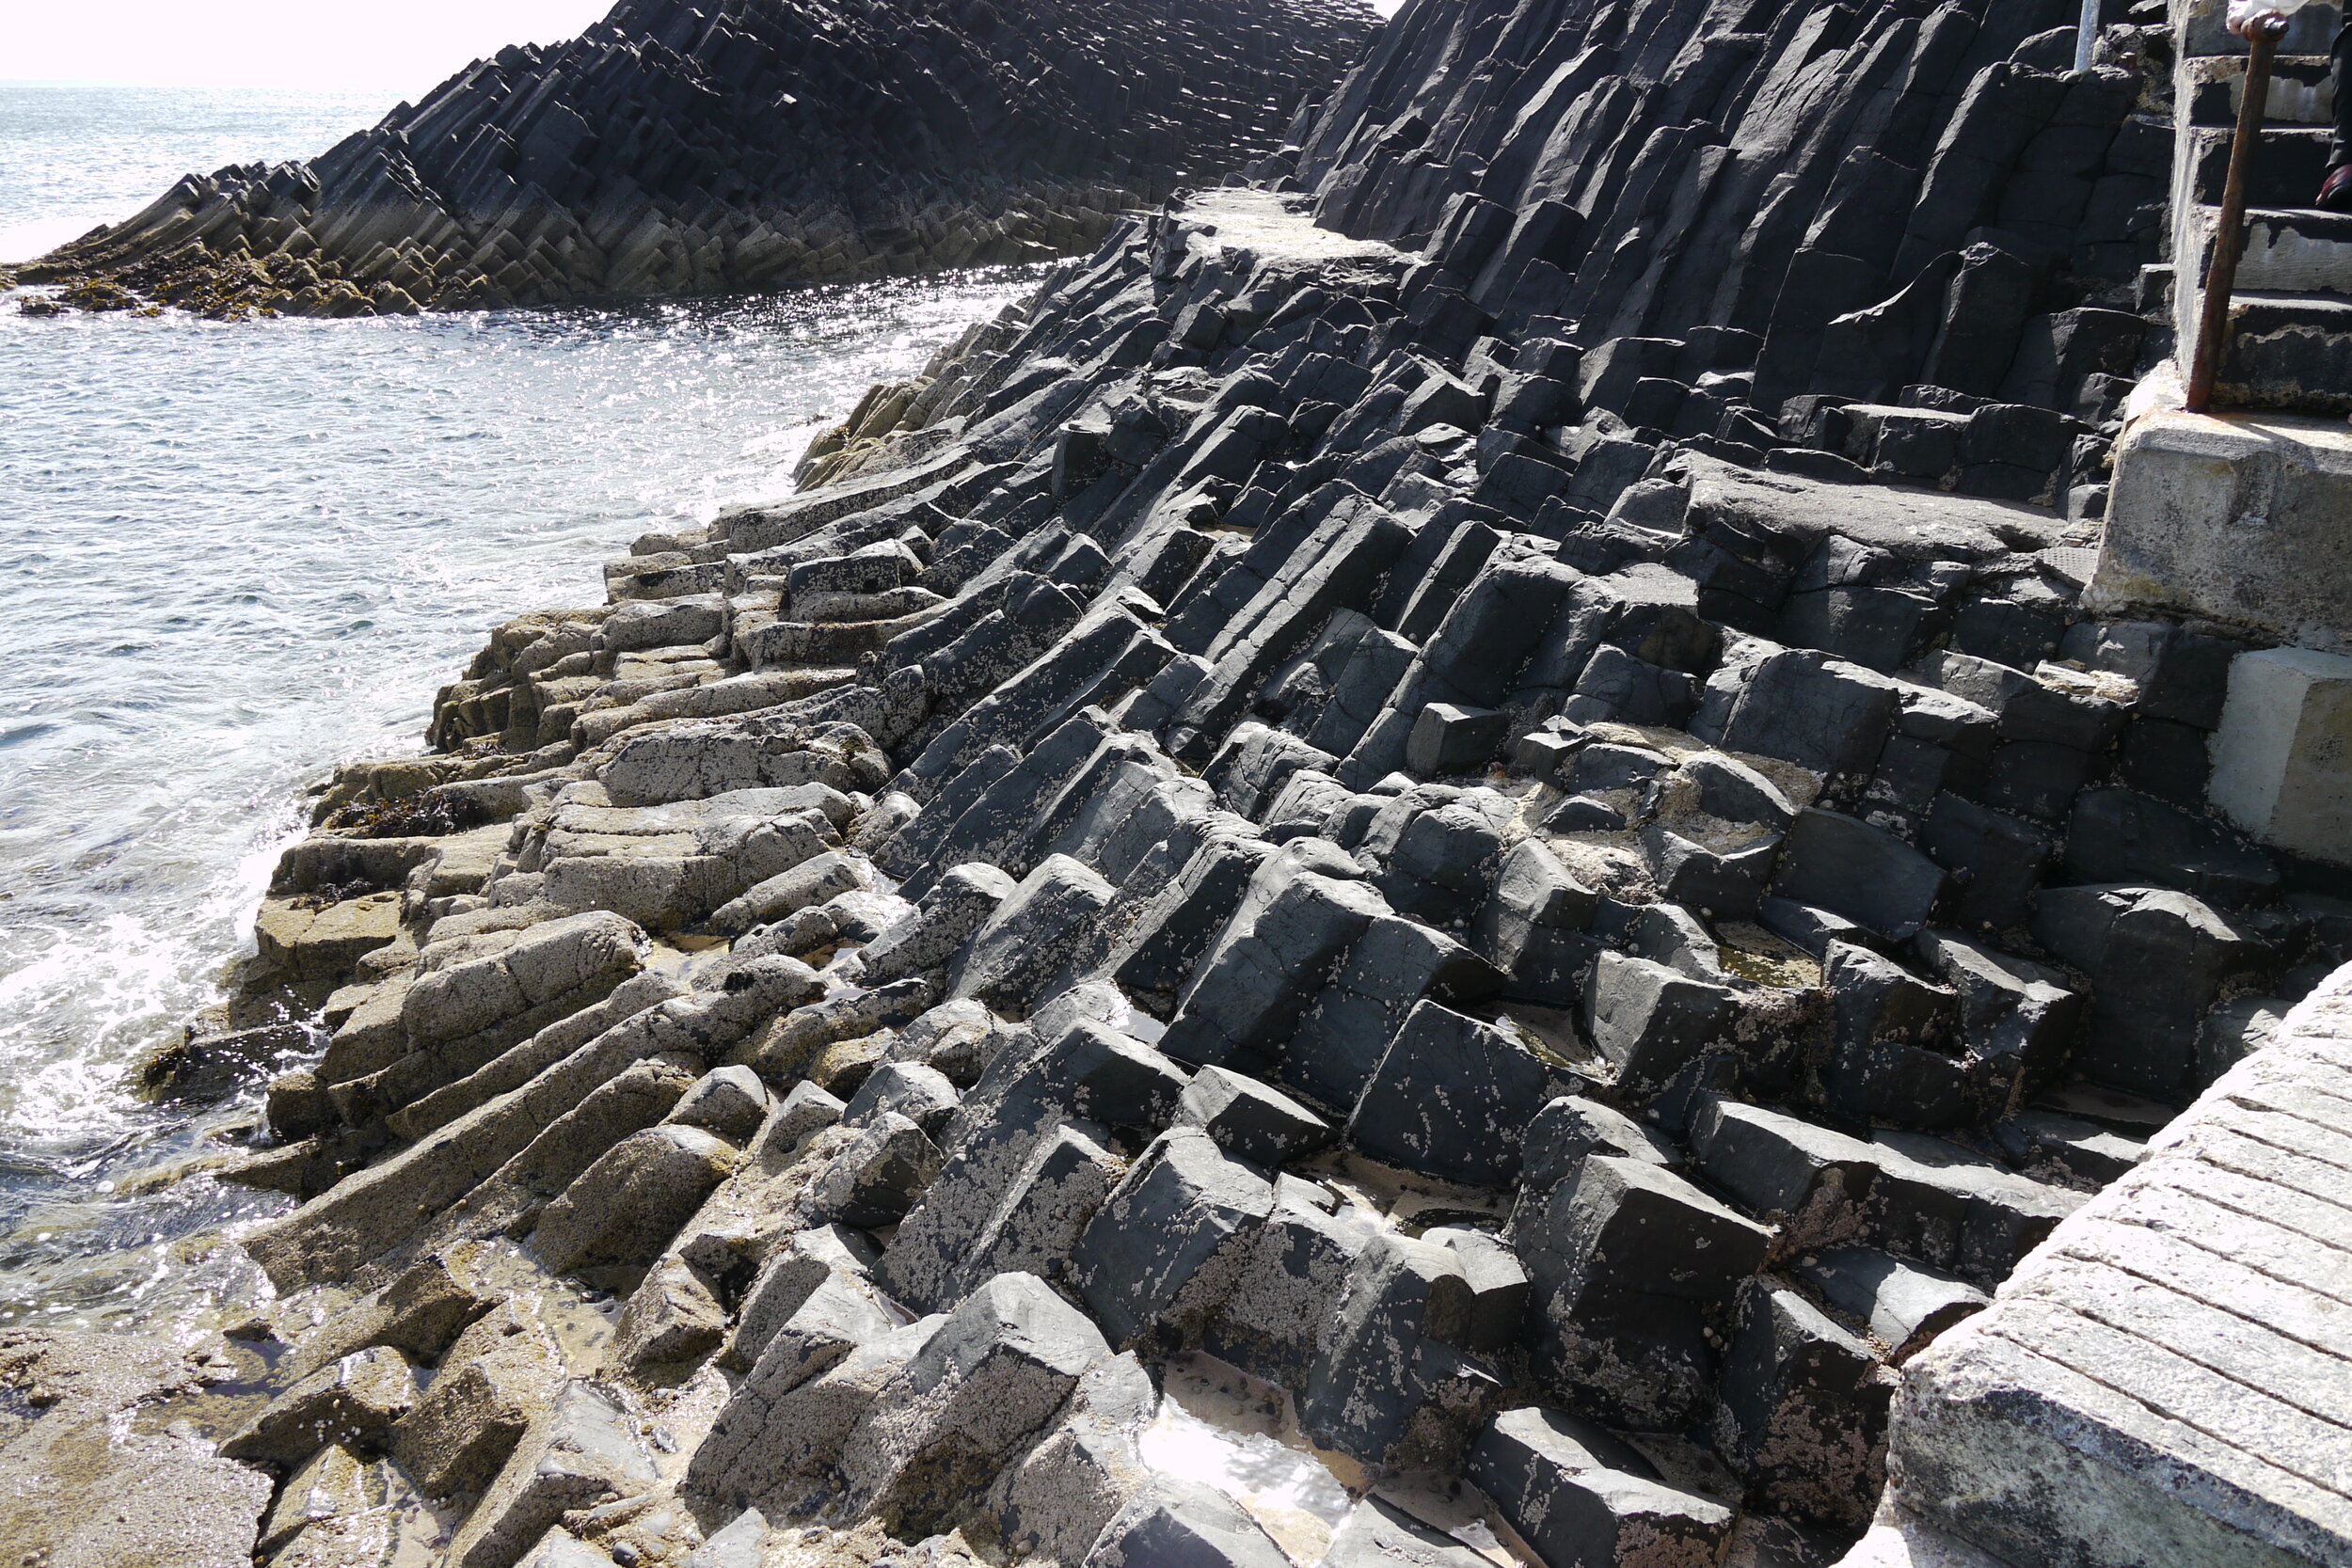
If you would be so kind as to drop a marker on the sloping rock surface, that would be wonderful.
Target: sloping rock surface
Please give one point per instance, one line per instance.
(676, 150)
(1886, 195)
(1558, 905)
(100, 1469)
(1572, 996)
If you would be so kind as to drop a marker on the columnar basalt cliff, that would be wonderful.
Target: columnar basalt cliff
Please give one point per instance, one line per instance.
(1847, 201)
(1416, 813)
(674, 150)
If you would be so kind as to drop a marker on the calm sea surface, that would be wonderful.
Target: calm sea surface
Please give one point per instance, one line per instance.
(234, 556)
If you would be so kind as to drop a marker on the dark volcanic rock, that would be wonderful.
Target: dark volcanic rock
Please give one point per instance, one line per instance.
(1521, 832)
(676, 150)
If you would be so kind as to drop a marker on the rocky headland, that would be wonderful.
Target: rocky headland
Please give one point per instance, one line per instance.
(1454, 809)
(672, 150)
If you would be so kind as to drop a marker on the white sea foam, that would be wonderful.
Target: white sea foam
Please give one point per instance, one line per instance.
(234, 556)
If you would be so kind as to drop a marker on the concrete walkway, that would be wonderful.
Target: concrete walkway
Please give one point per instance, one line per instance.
(2168, 1380)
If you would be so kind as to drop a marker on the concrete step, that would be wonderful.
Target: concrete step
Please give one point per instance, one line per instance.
(2288, 351)
(2288, 168)
(2150, 1397)
(2203, 30)
(2288, 250)
(2235, 516)
(2302, 91)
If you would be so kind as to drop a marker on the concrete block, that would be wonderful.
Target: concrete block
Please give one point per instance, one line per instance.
(2283, 759)
(2161, 1381)
(2238, 518)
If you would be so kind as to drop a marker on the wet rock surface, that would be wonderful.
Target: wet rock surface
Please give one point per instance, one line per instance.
(104, 1455)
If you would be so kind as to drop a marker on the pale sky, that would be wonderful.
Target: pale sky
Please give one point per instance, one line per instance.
(335, 45)
(284, 43)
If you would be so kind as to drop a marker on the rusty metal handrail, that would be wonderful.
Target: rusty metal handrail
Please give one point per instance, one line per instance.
(2228, 240)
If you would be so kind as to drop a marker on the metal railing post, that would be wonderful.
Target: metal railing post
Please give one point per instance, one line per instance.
(2228, 240)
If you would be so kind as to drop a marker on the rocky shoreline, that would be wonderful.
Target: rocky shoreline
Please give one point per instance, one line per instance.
(812, 1046)
(1548, 884)
(671, 150)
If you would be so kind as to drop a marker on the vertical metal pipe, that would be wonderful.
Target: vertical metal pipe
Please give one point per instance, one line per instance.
(2229, 239)
(2086, 35)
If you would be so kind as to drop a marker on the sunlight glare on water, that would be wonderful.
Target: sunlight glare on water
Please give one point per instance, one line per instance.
(234, 556)
(76, 155)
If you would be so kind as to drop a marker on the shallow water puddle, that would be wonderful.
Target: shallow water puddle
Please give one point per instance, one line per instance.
(1221, 1427)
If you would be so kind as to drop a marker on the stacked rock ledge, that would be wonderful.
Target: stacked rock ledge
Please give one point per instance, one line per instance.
(1397, 813)
(672, 150)
(1156, 870)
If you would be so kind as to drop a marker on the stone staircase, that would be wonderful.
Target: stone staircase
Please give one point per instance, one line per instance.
(2289, 344)
(2237, 514)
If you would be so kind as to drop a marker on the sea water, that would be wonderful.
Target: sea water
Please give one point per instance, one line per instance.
(232, 555)
(76, 155)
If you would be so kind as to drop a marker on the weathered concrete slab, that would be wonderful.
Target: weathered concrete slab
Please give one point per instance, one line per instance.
(2283, 759)
(2235, 517)
(2168, 1377)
